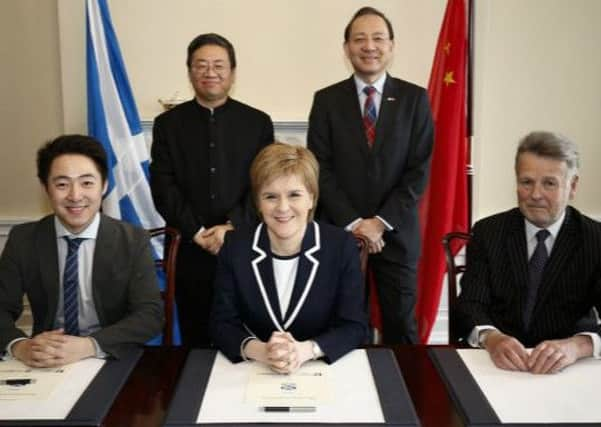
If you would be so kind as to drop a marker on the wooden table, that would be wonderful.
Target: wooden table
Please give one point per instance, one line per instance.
(429, 394)
(144, 399)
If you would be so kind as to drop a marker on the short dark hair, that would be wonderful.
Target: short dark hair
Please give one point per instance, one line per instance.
(552, 146)
(71, 144)
(211, 39)
(367, 11)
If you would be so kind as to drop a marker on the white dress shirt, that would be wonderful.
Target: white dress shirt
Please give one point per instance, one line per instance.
(378, 85)
(284, 272)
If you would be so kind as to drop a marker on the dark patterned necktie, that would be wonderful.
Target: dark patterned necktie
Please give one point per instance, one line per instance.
(536, 266)
(71, 287)
(369, 115)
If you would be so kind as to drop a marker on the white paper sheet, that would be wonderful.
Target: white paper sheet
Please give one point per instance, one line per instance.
(354, 397)
(19, 381)
(309, 386)
(61, 398)
(521, 397)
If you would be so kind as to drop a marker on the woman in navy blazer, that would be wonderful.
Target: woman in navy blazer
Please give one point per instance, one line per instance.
(289, 290)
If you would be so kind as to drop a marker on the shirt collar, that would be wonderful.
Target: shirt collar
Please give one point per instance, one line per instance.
(378, 84)
(90, 232)
(554, 228)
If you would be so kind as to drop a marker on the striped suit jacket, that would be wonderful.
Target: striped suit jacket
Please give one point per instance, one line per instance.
(494, 286)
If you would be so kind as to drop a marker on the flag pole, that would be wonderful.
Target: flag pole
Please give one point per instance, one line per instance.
(471, 19)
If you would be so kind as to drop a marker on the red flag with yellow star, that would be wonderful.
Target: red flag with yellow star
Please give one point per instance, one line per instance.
(444, 206)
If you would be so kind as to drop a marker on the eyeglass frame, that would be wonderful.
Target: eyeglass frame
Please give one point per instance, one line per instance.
(202, 67)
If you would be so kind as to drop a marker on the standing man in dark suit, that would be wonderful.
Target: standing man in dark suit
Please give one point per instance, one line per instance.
(372, 135)
(90, 279)
(201, 154)
(534, 272)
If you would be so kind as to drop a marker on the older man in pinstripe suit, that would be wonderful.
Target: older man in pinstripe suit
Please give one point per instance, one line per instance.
(534, 272)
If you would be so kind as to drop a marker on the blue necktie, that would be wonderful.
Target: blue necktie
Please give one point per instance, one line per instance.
(536, 266)
(369, 115)
(71, 287)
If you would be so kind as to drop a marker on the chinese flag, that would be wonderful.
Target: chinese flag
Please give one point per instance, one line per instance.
(444, 206)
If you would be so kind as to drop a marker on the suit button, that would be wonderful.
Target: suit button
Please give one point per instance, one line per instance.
(211, 144)
(212, 197)
(212, 170)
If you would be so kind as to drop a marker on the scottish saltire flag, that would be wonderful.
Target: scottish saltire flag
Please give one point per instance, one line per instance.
(113, 119)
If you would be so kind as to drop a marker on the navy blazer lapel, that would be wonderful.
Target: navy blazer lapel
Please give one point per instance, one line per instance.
(387, 113)
(563, 248)
(48, 262)
(352, 114)
(263, 270)
(308, 265)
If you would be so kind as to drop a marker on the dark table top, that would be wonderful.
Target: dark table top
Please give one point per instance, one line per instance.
(144, 400)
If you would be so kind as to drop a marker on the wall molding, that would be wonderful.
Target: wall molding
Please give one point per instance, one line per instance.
(283, 125)
(8, 222)
(290, 131)
(25, 322)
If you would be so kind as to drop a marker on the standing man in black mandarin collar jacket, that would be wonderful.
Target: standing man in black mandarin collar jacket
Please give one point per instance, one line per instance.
(374, 169)
(201, 154)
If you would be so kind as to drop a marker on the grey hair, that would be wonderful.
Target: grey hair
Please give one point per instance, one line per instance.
(552, 146)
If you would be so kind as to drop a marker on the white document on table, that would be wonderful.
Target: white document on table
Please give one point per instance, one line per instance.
(570, 396)
(50, 393)
(346, 393)
(309, 386)
(19, 381)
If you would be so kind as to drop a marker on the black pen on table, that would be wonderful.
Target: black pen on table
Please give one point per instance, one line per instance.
(289, 408)
(17, 381)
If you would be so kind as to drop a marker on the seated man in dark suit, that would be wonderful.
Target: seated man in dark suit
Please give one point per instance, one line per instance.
(534, 272)
(90, 279)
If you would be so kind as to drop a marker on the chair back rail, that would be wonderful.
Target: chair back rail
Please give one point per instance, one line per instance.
(449, 243)
(168, 263)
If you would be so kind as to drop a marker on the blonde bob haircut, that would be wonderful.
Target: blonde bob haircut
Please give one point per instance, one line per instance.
(278, 160)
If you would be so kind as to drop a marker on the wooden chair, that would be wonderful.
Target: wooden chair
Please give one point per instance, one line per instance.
(363, 243)
(449, 242)
(168, 265)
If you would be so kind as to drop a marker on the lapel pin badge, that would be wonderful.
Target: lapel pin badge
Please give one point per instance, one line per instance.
(390, 98)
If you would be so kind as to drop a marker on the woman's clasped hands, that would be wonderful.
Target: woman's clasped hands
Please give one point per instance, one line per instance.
(282, 353)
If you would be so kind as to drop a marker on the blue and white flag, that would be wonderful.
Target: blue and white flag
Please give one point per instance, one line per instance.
(113, 120)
